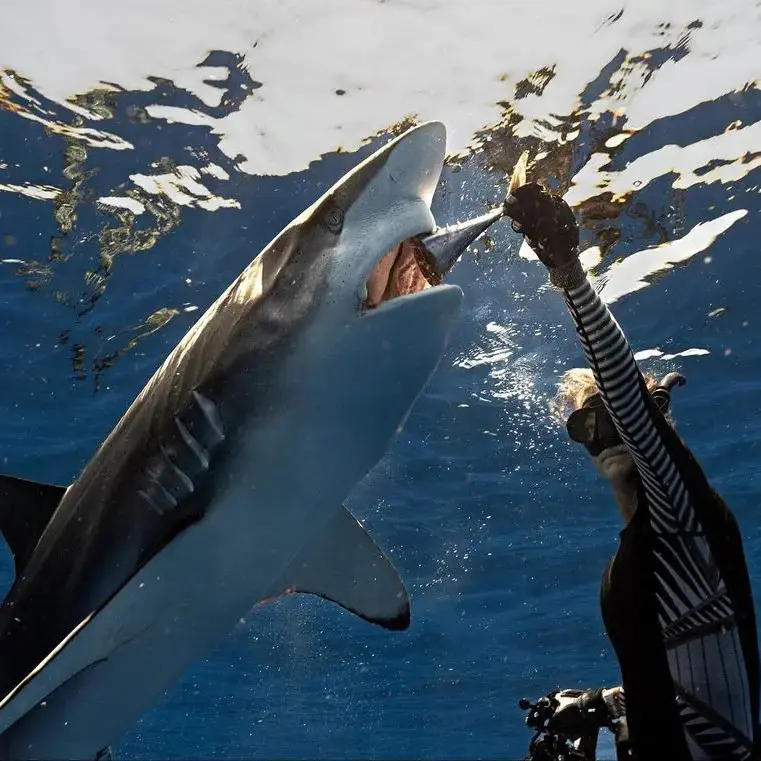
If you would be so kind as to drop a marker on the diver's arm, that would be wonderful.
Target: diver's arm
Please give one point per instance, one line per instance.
(702, 601)
(620, 383)
(551, 230)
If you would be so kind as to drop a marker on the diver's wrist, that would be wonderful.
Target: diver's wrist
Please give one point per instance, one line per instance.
(567, 275)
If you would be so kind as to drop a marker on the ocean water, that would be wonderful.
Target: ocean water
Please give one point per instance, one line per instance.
(148, 153)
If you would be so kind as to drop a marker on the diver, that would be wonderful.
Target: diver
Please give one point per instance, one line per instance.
(676, 597)
(567, 723)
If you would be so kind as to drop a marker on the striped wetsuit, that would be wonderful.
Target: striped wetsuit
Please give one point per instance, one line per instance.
(676, 597)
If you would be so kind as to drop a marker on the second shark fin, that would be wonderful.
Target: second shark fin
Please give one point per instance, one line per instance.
(344, 565)
(26, 507)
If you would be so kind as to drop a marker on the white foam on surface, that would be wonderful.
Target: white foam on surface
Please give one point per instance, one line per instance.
(658, 354)
(435, 59)
(30, 190)
(732, 150)
(183, 187)
(629, 275)
(124, 202)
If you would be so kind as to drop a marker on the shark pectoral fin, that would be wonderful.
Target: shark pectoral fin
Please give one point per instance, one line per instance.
(344, 565)
(26, 507)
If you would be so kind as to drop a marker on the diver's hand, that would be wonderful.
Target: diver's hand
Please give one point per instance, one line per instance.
(547, 223)
(578, 712)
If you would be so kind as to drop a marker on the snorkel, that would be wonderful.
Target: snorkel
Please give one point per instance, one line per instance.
(592, 426)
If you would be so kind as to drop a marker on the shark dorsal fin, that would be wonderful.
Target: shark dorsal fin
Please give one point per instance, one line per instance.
(25, 509)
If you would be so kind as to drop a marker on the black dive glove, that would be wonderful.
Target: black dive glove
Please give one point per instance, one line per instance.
(547, 223)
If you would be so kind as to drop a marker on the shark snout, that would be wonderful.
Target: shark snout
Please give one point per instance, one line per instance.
(422, 260)
(415, 161)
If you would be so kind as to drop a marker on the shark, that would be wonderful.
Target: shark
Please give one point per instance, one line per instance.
(223, 484)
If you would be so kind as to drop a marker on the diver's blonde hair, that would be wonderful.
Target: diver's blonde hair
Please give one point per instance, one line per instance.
(575, 387)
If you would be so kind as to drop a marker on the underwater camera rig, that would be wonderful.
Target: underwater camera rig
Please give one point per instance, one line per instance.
(577, 743)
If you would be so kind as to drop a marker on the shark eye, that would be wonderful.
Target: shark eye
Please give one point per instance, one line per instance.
(334, 219)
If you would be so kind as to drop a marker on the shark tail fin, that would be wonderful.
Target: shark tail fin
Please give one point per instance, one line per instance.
(344, 565)
(26, 507)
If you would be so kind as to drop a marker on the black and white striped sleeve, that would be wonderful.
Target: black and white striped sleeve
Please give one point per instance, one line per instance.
(697, 619)
(623, 391)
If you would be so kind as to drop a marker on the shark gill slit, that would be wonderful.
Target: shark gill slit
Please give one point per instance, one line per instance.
(211, 415)
(169, 482)
(165, 501)
(193, 444)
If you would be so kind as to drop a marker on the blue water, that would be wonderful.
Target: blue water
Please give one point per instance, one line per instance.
(497, 524)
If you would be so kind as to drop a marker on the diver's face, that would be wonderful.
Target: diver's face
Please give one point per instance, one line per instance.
(591, 426)
(616, 464)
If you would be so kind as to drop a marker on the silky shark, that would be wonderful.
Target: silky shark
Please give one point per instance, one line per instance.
(222, 485)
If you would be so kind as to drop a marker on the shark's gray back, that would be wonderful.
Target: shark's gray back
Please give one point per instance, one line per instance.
(105, 528)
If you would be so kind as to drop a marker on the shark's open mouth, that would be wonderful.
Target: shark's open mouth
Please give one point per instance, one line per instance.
(422, 261)
(408, 268)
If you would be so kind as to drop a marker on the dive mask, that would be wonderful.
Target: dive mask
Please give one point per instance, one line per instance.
(592, 426)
